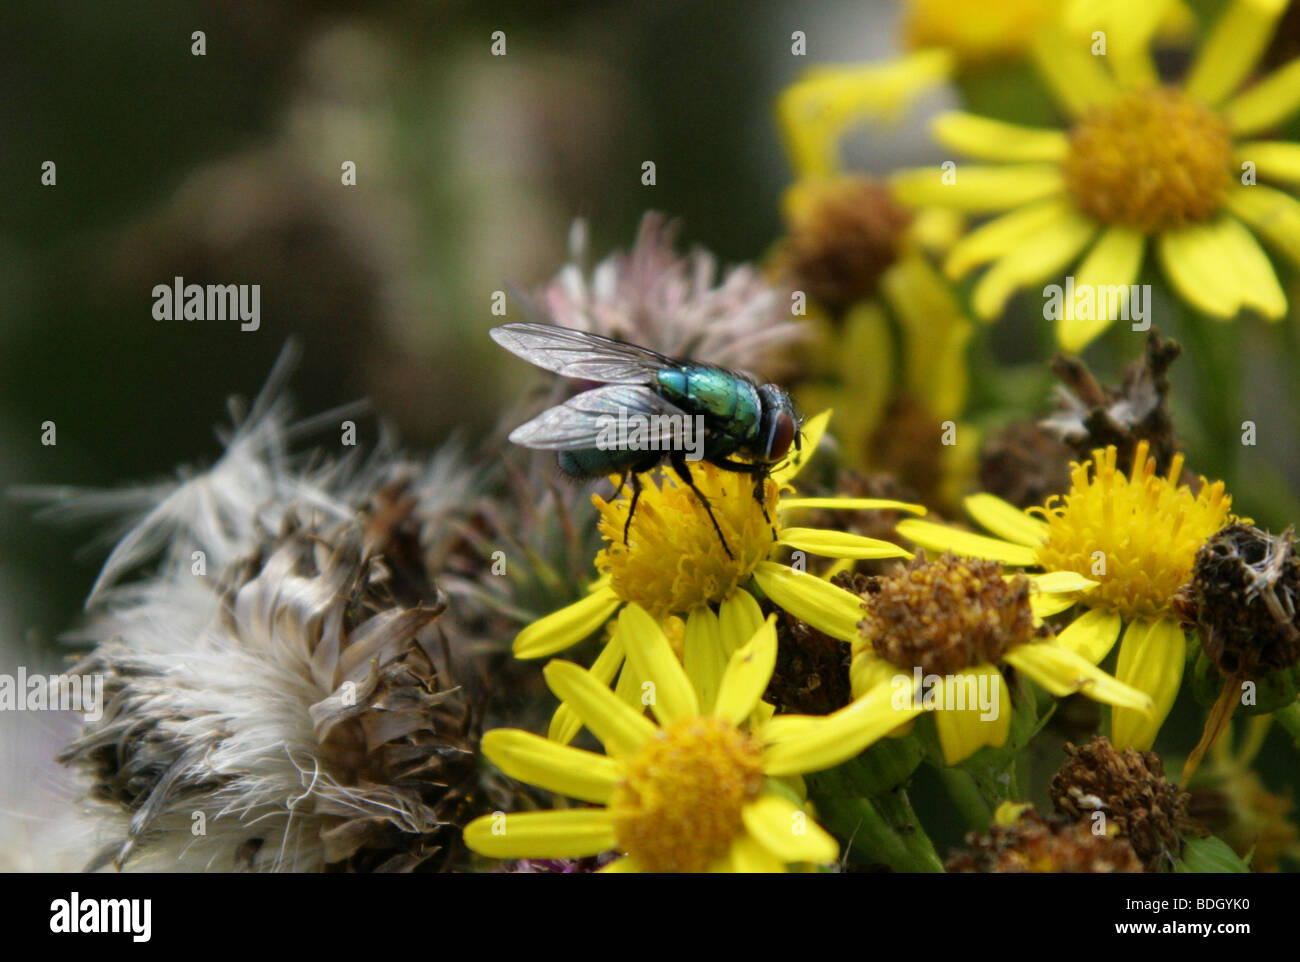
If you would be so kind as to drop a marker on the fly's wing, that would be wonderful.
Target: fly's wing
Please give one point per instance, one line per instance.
(578, 354)
(591, 421)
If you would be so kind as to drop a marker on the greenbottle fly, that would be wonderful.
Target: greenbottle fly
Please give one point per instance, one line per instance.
(740, 418)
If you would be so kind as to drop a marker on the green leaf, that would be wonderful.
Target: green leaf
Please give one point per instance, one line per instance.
(1209, 855)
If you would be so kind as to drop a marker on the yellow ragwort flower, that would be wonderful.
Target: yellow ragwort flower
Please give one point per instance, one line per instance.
(708, 788)
(674, 564)
(1172, 165)
(936, 632)
(1135, 538)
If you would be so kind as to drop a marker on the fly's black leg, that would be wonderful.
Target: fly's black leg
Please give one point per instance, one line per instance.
(636, 496)
(756, 471)
(678, 461)
(634, 472)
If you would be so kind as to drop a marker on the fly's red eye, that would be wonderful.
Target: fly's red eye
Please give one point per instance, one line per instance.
(782, 436)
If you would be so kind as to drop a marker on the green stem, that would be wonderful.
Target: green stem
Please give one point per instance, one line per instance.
(965, 794)
(1214, 351)
(884, 829)
(1289, 718)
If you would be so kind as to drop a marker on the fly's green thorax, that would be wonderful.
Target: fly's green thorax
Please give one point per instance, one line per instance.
(729, 402)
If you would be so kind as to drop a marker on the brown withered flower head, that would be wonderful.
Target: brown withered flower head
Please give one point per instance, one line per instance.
(1091, 415)
(1028, 461)
(1025, 841)
(946, 615)
(842, 235)
(1130, 790)
(811, 676)
(1243, 596)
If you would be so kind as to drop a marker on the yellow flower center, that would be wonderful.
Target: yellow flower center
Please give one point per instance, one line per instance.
(946, 615)
(1152, 160)
(678, 807)
(673, 561)
(1136, 535)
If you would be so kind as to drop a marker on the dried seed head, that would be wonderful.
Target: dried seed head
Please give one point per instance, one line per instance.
(812, 669)
(307, 718)
(946, 615)
(1092, 415)
(843, 235)
(1243, 595)
(1028, 842)
(1130, 789)
(1025, 464)
(277, 693)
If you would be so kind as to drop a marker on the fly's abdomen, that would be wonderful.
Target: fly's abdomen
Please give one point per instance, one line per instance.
(595, 463)
(728, 401)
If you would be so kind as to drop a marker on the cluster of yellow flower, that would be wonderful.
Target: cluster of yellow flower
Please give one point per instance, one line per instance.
(960, 656)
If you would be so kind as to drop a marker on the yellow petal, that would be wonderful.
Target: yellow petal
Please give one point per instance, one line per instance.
(568, 626)
(1151, 657)
(797, 744)
(1063, 672)
(620, 729)
(654, 660)
(1006, 520)
(1273, 160)
(850, 504)
(935, 334)
(1044, 606)
(620, 866)
(1075, 77)
(565, 724)
(1219, 268)
(1060, 582)
(747, 674)
(738, 618)
(1273, 215)
(965, 730)
(1258, 285)
(749, 857)
(704, 658)
(987, 139)
(568, 833)
(1232, 48)
(1000, 236)
(557, 768)
(978, 189)
(868, 671)
(1092, 635)
(1108, 270)
(787, 831)
(1041, 255)
(829, 609)
(839, 544)
(815, 111)
(939, 537)
(1267, 104)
